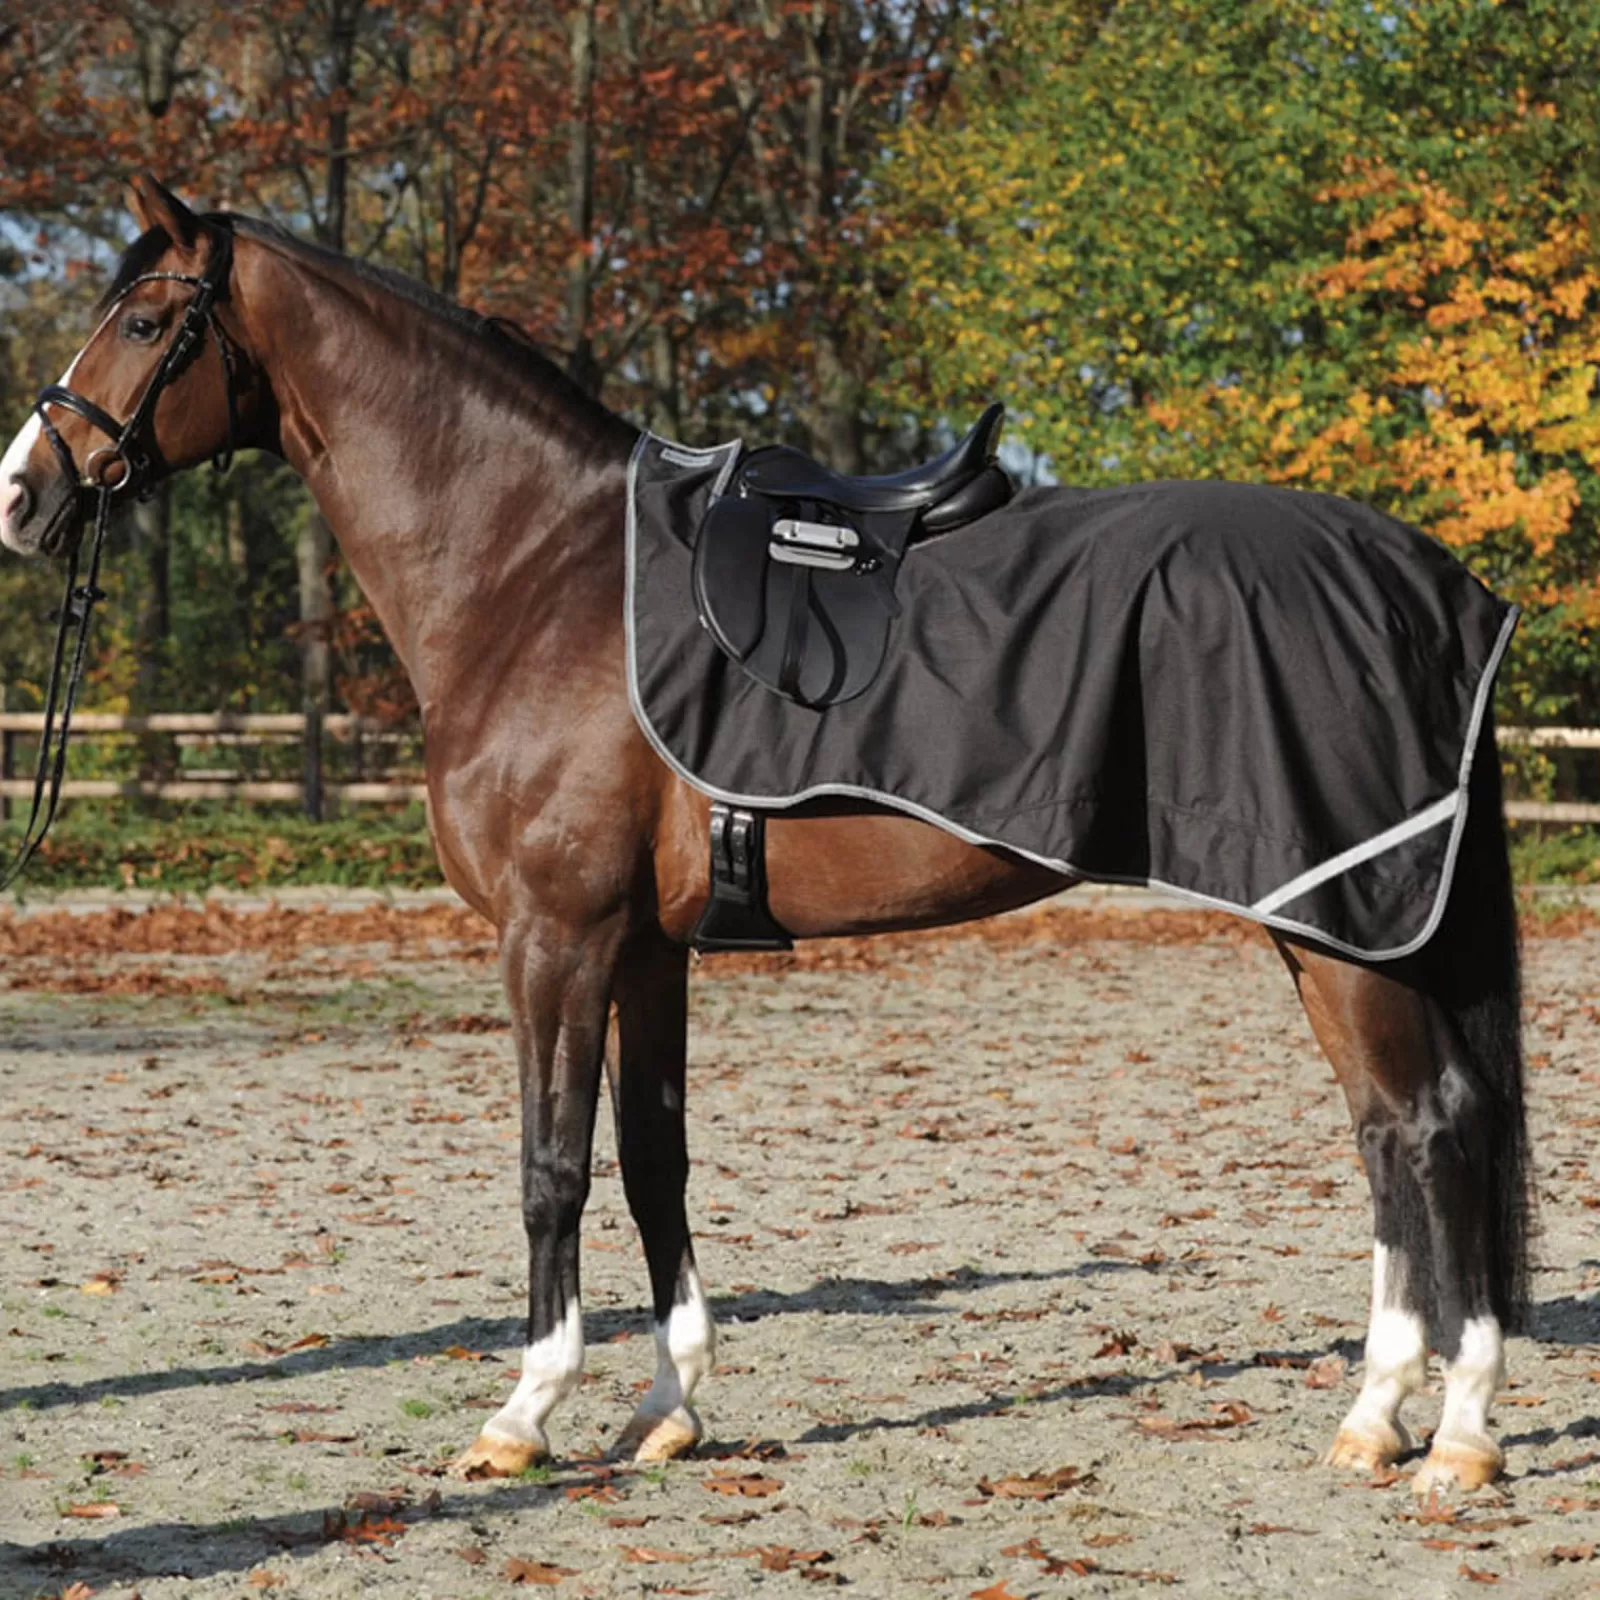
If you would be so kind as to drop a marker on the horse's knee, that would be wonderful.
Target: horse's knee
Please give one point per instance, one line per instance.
(554, 1191)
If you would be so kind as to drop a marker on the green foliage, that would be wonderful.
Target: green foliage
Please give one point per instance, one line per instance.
(99, 846)
(1565, 855)
(1243, 238)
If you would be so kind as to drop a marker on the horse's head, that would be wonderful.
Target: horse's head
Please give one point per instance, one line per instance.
(161, 384)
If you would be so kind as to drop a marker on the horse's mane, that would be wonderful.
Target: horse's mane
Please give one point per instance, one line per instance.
(512, 348)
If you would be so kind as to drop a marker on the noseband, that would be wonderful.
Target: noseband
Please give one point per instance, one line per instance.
(133, 448)
(130, 444)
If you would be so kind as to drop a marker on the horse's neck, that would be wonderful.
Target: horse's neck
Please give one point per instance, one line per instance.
(471, 524)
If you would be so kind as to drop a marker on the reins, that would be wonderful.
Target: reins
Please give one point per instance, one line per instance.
(133, 449)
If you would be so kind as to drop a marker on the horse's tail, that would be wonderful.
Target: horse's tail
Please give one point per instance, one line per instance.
(1472, 972)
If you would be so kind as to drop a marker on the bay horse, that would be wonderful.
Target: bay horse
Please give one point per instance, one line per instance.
(479, 497)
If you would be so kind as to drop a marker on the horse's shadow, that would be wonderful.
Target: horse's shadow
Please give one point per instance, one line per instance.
(1566, 1320)
(827, 1297)
(207, 1549)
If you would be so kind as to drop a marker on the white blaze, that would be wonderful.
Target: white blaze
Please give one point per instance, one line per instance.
(15, 461)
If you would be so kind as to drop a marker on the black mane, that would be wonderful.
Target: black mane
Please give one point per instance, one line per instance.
(516, 351)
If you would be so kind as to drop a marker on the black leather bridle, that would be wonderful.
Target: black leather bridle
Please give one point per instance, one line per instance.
(132, 447)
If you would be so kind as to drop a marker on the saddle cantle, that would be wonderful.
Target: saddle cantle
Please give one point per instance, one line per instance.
(795, 566)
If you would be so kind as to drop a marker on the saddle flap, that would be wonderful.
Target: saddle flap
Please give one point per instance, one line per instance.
(730, 574)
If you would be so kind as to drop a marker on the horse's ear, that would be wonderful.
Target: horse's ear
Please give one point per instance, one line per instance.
(155, 206)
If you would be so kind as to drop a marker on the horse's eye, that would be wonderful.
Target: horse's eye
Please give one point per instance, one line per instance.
(139, 329)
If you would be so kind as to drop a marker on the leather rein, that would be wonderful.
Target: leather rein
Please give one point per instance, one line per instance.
(133, 449)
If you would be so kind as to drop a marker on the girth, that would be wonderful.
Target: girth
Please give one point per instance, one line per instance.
(795, 567)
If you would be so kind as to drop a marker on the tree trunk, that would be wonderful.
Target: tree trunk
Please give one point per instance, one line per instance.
(314, 545)
(313, 554)
(834, 419)
(581, 364)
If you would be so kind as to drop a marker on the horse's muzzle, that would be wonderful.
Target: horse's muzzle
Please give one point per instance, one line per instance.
(39, 522)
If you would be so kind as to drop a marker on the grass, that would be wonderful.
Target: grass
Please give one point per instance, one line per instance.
(416, 1408)
(205, 847)
(1555, 855)
(189, 850)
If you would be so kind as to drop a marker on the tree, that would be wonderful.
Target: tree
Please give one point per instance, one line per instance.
(1319, 243)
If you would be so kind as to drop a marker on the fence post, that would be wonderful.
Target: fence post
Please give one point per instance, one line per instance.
(8, 759)
(313, 761)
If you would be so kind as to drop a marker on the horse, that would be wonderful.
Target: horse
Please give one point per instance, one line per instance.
(478, 495)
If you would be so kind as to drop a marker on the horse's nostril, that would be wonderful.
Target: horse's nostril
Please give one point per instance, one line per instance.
(16, 503)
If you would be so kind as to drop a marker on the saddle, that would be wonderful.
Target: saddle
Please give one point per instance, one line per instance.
(795, 565)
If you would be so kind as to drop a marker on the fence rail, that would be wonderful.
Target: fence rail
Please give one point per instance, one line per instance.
(220, 729)
(236, 728)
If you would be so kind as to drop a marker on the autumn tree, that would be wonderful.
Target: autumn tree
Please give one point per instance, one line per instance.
(1311, 241)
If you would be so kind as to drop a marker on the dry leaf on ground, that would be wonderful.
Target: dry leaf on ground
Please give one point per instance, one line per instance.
(751, 1486)
(1035, 1485)
(536, 1572)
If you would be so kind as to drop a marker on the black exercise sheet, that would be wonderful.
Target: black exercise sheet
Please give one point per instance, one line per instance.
(1263, 700)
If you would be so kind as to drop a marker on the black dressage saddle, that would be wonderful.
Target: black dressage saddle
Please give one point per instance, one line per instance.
(795, 565)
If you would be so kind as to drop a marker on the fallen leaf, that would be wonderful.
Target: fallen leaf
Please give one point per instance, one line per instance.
(1475, 1575)
(265, 1578)
(783, 1558)
(605, 1492)
(311, 1341)
(459, 1352)
(751, 1486)
(95, 1508)
(646, 1556)
(995, 1591)
(536, 1572)
(1225, 1414)
(474, 1555)
(98, 1286)
(1328, 1373)
(1035, 1485)
(1571, 1552)
(1272, 1527)
(372, 1530)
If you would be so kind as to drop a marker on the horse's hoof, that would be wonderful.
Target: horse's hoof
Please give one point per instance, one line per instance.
(1452, 1466)
(492, 1455)
(648, 1438)
(1367, 1451)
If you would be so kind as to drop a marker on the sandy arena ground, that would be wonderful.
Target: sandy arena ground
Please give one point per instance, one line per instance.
(1039, 1254)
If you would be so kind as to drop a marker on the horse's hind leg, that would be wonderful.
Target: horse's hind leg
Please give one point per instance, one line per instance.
(1438, 1116)
(647, 1087)
(1378, 1068)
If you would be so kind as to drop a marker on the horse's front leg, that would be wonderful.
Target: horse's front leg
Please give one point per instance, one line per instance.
(559, 986)
(648, 1089)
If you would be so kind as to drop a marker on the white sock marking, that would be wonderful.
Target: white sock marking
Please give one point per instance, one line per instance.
(686, 1346)
(551, 1370)
(1397, 1351)
(1470, 1382)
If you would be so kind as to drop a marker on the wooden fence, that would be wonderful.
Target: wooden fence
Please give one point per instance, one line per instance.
(310, 730)
(223, 729)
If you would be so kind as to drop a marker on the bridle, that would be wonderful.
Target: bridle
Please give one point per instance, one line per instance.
(132, 447)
